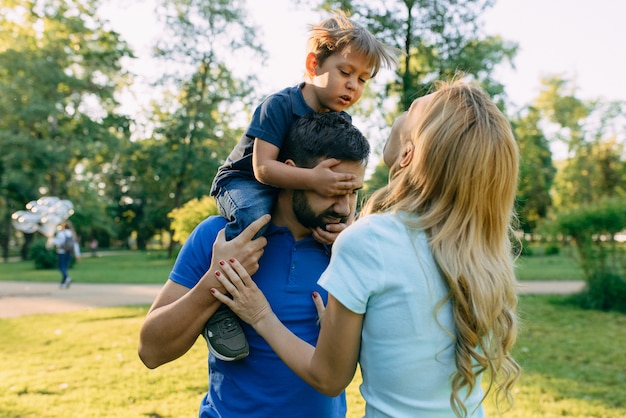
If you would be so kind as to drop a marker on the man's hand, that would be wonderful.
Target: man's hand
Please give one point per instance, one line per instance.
(243, 247)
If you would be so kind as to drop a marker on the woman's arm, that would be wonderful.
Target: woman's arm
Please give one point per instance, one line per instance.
(178, 314)
(330, 366)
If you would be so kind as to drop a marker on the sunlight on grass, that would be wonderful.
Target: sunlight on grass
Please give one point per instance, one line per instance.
(85, 364)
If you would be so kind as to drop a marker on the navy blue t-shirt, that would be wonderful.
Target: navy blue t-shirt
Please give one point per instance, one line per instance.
(270, 122)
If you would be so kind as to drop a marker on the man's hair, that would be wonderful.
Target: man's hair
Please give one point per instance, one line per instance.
(319, 136)
(338, 31)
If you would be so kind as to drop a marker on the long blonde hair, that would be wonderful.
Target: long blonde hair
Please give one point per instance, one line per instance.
(462, 183)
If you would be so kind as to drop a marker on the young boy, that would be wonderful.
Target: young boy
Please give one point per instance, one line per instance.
(341, 57)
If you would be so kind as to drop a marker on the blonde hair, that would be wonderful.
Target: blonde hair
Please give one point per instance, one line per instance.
(338, 31)
(462, 183)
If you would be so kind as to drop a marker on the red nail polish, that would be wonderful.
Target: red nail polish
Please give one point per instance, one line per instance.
(232, 260)
(221, 262)
(217, 273)
(213, 291)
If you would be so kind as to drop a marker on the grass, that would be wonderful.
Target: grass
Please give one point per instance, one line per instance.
(549, 267)
(153, 267)
(132, 267)
(85, 364)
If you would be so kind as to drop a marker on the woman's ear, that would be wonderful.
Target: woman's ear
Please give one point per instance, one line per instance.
(311, 64)
(290, 163)
(407, 154)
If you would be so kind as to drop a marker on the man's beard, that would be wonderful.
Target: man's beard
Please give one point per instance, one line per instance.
(306, 216)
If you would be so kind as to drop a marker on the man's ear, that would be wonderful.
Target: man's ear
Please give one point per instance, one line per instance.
(311, 64)
(290, 163)
(407, 154)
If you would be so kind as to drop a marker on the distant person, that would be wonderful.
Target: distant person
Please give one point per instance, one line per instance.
(66, 245)
(286, 263)
(341, 58)
(421, 289)
(93, 246)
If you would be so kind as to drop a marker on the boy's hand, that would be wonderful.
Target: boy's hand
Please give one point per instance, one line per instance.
(330, 183)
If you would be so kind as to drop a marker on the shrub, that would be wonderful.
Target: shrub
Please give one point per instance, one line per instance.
(185, 218)
(43, 257)
(551, 249)
(593, 229)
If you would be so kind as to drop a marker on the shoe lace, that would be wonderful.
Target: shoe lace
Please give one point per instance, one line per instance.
(228, 326)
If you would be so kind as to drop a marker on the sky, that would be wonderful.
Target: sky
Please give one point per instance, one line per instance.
(580, 40)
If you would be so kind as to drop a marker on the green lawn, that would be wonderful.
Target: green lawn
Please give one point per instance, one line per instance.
(153, 267)
(84, 364)
(133, 267)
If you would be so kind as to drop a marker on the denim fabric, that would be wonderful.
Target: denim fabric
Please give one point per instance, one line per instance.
(243, 201)
(64, 264)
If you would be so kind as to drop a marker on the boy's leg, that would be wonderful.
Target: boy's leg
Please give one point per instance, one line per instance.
(242, 202)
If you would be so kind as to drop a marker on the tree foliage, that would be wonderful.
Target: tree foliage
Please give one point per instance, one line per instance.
(59, 70)
(593, 135)
(536, 170)
(195, 118)
(439, 39)
(593, 228)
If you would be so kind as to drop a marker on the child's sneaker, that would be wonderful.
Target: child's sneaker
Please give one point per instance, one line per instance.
(224, 335)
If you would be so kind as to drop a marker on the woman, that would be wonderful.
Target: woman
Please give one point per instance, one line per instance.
(66, 245)
(421, 288)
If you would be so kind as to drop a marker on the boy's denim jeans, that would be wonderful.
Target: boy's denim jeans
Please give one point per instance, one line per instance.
(243, 201)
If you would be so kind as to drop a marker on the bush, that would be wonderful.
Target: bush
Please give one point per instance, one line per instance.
(43, 257)
(593, 228)
(605, 292)
(188, 216)
(551, 249)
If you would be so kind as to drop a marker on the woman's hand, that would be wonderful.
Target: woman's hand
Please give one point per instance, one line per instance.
(247, 300)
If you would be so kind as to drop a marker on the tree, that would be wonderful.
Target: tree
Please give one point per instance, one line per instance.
(593, 135)
(203, 96)
(59, 70)
(536, 169)
(439, 38)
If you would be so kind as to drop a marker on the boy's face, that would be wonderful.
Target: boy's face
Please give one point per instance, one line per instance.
(339, 80)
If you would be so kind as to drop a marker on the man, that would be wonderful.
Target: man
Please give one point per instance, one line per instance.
(287, 262)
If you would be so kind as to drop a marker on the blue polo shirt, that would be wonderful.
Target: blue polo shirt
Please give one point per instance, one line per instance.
(261, 385)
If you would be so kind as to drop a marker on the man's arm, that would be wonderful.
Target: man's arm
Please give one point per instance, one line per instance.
(178, 314)
(330, 366)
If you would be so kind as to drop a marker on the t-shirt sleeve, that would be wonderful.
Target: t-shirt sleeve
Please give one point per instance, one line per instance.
(272, 119)
(356, 269)
(194, 257)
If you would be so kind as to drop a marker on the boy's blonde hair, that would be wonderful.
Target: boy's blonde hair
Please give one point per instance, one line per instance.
(338, 31)
(462, 183)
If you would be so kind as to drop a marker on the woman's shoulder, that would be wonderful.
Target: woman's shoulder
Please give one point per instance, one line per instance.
(373, 225)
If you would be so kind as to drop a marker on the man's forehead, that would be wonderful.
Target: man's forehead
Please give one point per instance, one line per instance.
(354, 167)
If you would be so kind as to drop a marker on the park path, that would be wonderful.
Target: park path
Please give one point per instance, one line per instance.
(29, 298)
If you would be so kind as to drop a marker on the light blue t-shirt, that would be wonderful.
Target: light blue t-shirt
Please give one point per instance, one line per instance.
(385, 270)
